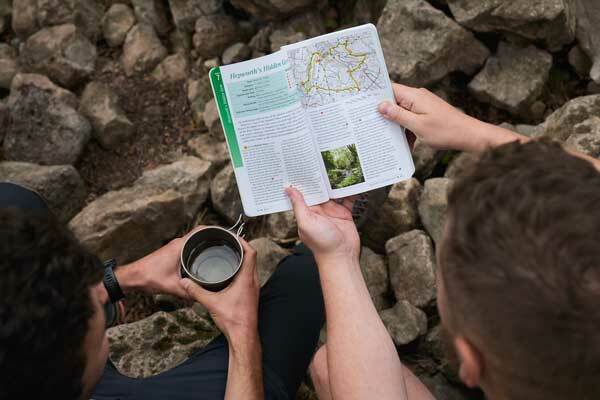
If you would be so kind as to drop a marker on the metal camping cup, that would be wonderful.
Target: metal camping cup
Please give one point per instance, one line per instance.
(213, 256)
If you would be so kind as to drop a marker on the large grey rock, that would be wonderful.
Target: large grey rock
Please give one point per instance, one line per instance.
(459, 164)
(212, 120)
(580, 62)
(398, 214)
(404, 322)
(31, 15)
(514, 78)
(422, 44)
(588, 35)
(8, 65)
(235, 53)
(210, 149)
(22, 83)
(131, 222)
(100, 104)
(272, 9)
(375, 273)
(117, 22)
(199, 93)
(225, 195)
(153, 13)
(412, 267)
(214, 34)
(186, 12)
(282, 226)
(588, 144)
(268, 256)
(62, 53)
(142, 50)
(550, 21)
(60, 185)
(284, 36)
(5, 13)
(159, 342)
(426, 158)
(310, 22)
(44, 130)
(560, 124)
(174, 68)
(433, 206)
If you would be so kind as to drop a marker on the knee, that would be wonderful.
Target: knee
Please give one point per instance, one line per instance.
(319, 371)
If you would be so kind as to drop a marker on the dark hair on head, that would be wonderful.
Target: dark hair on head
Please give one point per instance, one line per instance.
(45, 307)
(520, 263)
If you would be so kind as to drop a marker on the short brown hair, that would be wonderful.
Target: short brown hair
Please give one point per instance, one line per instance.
(520, 263)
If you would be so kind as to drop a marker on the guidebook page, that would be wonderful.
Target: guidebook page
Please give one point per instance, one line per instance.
(342, 78)
(269, 138)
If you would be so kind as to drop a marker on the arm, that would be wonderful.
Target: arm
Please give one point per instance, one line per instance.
(244, 377)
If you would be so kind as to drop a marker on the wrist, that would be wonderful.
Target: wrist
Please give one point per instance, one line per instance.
(130, 277)
(343, 261)
(242, 339)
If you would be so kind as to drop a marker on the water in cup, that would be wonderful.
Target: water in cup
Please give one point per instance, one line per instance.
(215, 263)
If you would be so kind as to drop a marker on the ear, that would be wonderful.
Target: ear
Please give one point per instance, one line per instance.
(471, 362)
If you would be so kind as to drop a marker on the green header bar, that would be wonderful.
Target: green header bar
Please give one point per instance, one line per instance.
(216, 79)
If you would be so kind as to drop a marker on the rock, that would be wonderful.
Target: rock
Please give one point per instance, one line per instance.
(531, 131)
(397, 215)
(174, 68)
(44, 130)
(285, 36)
(61, 186)
(375, 272)
(412, 267)
(458, 165)
(225, 195)
(153, 13)
(22, 83)
(310, 23)
(5, 13)
(282, 226)
(142, 50)
(186, 12)
(268, 256)
(549, 21)
(210, 149)
(117, 22)
(24, 18)
(212, 120)
(100, 104)
(260, 42)
(422, 44)
(426, 158)
(159, 342)
(588, 20)
(580, 62)
(560, 124)
(404, 322)
(62, 53)
(433, 205)
(199, 93)
(4, 113)
(214, 34)
(235, 53)
(588, 144)
(442, 389)
(131, 222)
(272, 9)
(180, 42)
(514, 78)
(8, 65)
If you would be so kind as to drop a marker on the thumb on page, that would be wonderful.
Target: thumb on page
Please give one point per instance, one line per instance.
(300, 208)
(394, 112)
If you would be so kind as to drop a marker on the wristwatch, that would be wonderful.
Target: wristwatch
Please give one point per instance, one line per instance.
(111, 283)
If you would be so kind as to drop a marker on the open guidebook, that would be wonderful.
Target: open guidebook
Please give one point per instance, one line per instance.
(306, 116)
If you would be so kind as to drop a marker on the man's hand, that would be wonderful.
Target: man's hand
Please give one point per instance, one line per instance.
(439, 124)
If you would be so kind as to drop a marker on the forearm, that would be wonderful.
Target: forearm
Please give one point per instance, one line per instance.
(363, 361)
(245, 378)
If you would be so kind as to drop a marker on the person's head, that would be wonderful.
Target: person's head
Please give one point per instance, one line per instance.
(52, 340)
(519, 273)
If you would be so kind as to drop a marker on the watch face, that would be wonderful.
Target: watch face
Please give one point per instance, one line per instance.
(111, 313)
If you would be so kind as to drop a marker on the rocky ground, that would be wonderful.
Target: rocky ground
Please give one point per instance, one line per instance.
(105, 108)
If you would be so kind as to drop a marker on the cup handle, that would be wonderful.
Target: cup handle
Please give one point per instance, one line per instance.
(238, 227)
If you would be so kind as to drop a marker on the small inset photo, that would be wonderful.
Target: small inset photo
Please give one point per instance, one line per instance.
(343, 167)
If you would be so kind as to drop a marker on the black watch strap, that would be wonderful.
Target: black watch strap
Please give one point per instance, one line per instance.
(110, 282)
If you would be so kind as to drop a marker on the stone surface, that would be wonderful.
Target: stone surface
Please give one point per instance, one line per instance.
(44, 130)
(580, 62)
(272, 9)
(214, 34)
(513, 78)
(8, 65)
(225, 195)
(212, 120)
(61, 186)
(433, 205)
(560, 124)
(153, 13)
(142, 50)
(426, 158)
(22, 83)
(412, 267)
(422, 44)
(550, 21)
(375, 272)
(442, 389)
(458, 165)
(398, 214)
(404, 322)
(117, 22)
(62, 53)
(199, 93)
(159, 342)
(5, 13)
(174, 68)
(310, 22)
(186, 12)
(268, 256)
(100, 104)
(131, 222)
(284, 36)
(588, 35)
(4, 113)
(281, 226)
(586, 143)
(210, 149)
(235, 53)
